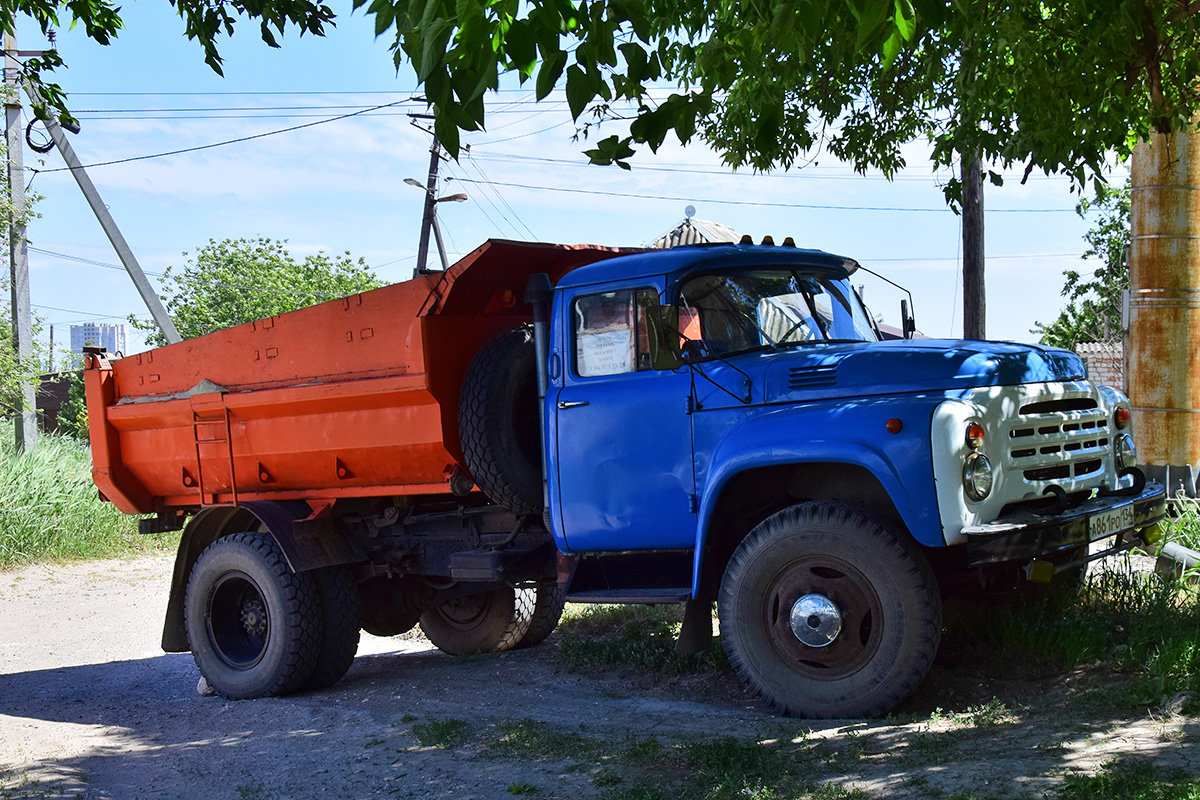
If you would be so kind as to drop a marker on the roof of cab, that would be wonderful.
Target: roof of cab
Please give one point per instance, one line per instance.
(700, 256)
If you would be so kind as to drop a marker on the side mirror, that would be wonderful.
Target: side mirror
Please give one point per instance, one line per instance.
(662, 324)
(908, 325)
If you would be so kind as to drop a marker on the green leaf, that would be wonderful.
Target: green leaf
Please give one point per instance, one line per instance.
(433, 49)
(447, 134)
(610, 151)
(579, 90)
(870, 20)
(521, 47)
(906, 19)
(891, 48)
(551, 71)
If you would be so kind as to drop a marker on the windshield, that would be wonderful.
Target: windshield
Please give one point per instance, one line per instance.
(722, 314)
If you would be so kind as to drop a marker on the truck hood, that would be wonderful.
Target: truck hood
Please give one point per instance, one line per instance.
(905, 366)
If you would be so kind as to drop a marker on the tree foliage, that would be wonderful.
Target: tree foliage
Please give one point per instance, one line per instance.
(1049, 84)
(72, 414)
(235, 281)
(1093, 312)
(205, 22)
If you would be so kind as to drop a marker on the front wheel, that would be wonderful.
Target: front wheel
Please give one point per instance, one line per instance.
(826, 614)
(254, 626)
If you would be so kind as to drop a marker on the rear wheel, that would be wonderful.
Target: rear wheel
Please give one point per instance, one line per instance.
(254, 626)
(485, 622)
(824, 613)
(338, 599)
(548, 602)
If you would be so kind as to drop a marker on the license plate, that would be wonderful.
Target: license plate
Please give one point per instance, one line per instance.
(1106, 523)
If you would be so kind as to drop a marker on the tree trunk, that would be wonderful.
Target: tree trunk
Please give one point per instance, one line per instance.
(1164, 308)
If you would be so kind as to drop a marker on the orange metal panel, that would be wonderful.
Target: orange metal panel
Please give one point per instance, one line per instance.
(356, 397)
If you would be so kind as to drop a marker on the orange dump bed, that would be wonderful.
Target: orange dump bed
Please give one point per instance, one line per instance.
(351, 398)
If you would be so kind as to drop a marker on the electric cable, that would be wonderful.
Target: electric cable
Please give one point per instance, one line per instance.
(227, 142)
(763, 203)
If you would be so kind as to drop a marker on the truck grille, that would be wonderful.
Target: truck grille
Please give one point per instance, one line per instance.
(1058, 440)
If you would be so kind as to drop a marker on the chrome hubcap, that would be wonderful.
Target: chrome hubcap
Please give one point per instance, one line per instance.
(816, 620)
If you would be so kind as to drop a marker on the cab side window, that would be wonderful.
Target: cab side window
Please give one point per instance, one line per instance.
(610, 332)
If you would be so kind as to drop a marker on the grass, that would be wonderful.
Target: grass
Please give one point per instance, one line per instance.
(597, 637)
(443, 733)
(1129, 780)
(1131, 622)
(1184, 525)
(51, 511)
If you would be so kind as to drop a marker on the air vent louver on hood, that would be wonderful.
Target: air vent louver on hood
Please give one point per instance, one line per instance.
(812, 377)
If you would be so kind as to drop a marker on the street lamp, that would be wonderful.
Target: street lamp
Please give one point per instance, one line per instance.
(429, 220)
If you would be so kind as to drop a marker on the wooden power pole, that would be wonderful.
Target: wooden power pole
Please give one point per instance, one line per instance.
(974, 293)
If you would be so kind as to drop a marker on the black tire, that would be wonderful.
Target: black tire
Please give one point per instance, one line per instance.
(254, 626)
(485, 622)
(879, 589)
(390, 606)
(337, 596)
(548, 602)
(498, 421)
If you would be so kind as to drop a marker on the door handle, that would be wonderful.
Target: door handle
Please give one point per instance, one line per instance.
(565, 404)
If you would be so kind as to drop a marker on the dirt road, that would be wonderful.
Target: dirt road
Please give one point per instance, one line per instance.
(91, 708)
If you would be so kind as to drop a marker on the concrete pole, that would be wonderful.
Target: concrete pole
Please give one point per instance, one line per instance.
(974, 291)
(427, 219)
(122, 248)
(18, 258)
(1164, 308)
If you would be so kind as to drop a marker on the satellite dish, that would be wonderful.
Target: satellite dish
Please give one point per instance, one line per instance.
(689, 212)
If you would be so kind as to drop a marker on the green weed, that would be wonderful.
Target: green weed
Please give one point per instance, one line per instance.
(1184, 525)
(641, 637)
(520, 787)
(1129, 621)
(531, 740)
(52, 511)
(604, 778)
(1130, 780)
(443, 733)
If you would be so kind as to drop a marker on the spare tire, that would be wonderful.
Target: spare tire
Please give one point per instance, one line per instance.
(498, 421)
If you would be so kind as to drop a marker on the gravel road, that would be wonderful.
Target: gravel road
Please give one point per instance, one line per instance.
(90, 707)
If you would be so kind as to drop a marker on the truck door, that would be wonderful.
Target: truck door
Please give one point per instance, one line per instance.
(624, 441)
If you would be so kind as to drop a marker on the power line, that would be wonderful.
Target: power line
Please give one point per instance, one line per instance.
(763, 203)
(90, 314)
(93, 263)
(227, 142)
(88, 261)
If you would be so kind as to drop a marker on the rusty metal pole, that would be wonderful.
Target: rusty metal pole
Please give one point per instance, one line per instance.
(1164, 308)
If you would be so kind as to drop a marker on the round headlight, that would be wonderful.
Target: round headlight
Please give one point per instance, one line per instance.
(1126, 451)
(977, 476)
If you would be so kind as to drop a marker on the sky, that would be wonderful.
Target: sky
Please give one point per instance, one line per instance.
(337, 185)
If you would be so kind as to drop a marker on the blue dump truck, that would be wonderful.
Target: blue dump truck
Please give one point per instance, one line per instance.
(704, 425)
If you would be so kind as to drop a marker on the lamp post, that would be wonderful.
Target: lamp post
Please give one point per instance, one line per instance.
(429, 220)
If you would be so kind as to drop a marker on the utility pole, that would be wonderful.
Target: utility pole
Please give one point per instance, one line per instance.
(124, 252)
(18, 256)
(974, 310)
(428, 220)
